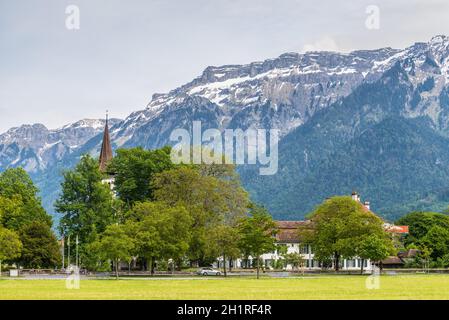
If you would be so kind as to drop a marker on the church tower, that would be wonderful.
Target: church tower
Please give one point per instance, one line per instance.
(106, 149)
(106, 157)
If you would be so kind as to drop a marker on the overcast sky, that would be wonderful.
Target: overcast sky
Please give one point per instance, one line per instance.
(125, 51)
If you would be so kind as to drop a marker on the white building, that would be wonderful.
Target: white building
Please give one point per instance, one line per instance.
(288, 236)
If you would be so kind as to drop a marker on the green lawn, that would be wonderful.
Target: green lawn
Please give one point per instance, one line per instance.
(309, 287)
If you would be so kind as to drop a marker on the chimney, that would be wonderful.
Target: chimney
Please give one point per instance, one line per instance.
(366, 204)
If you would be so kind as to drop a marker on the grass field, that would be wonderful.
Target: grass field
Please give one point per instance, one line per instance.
(309, 287)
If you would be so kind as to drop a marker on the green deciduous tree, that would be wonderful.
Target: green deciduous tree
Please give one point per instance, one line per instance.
(443, 262)
(91, 255)
(87, 205)
(224, 241)
(114, 244)
(19, 203)
(420, 223)
(134, 170)
(337, 227)
(425, 254)
(374, 247)
(40, 246)
(437, 240)
(208, 196)
(10, 246)
(160, 231)
(427, 231)
(257, 234)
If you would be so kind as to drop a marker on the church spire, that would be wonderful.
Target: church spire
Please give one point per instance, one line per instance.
(106, 149)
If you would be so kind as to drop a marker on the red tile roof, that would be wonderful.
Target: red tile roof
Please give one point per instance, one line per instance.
(397, 229)
(288, 231)
(290, 224)
(392, 260)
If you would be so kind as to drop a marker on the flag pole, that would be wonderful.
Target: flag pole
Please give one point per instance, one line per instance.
(77, 251)
(63, 252)
(68, 249)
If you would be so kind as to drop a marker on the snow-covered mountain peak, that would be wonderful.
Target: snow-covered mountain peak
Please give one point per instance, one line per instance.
(35, 147)
(85, 123)
(302, 83)
(439, 40)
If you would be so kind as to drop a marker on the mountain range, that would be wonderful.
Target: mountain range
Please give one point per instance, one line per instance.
(375, 121)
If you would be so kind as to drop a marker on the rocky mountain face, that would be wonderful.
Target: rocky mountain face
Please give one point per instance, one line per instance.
(281, 93)
(372, 120)
(387, 139)
(36, 148)
(44, 153)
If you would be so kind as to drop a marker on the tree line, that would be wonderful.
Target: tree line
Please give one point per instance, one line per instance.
(168, 216)
(160, 214)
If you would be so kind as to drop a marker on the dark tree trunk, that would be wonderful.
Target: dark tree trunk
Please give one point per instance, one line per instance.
(361, 266)
(152, 266)
(258, 267)
(116, 268)
(144, 264)
(224, 265)
(337, 262)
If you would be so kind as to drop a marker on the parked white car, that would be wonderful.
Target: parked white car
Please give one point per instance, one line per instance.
(208, 272)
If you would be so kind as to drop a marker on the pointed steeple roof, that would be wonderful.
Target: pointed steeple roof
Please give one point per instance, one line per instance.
(106, 149)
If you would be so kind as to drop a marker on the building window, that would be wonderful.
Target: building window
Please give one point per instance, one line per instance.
(303, 249)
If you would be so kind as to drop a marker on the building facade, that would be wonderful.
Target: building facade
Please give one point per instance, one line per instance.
(288, 238)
